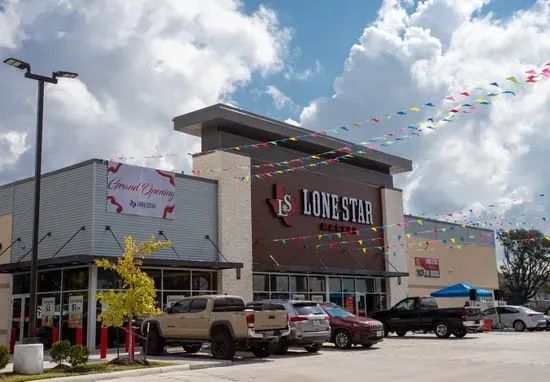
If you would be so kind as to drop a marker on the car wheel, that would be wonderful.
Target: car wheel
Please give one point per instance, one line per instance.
(460, 333)
(547, 312)
(262, 350)
(192, 348)
(281, 347)
(441, 330)
(401, 332)
(367, 346)
(155, 343)
(519, 326)
(313, 348)
(342, 339)
(386, 329)
(223, 346)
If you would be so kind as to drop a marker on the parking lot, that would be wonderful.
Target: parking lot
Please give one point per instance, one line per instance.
(495, 356)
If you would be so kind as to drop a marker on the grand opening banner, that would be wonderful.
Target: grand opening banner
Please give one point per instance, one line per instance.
(140, 191)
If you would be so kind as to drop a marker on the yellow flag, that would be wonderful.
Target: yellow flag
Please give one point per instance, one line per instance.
(360, 242)
(414, 108)
(364, 250)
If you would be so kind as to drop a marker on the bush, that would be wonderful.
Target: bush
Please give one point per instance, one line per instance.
(60, 351)
(78, 356)
(4, 356)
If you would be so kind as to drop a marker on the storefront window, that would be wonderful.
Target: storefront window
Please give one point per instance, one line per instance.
(370, 285)
(108, 279)
(279, 284)
(156, 275)
(317, 284)
(261, 283)
(281, 296)
(48, 318)
(349, 284)
(50, 281)
(298, 283)
(21, 283)
(203, 281)
(361, 285)
(261, 296)
(71, 318)
(334, 284)
(177, 280)
(75, 279)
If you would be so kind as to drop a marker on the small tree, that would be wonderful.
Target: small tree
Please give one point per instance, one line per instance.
(526, 265)
(137, 297)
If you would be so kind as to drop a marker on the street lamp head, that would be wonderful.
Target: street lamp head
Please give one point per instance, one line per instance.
(63, 74)
(18, 64)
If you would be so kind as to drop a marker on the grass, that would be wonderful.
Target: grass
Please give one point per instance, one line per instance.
(89, 368)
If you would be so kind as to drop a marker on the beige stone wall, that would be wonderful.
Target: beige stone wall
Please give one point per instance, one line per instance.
(235, 216)
(392, 212)
(473, 265)
(5, 240)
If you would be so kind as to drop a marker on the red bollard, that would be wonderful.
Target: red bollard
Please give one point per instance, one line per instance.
(79, 336)
(103, 351)
(132, 342)
(55, 335)
(126, 338)
(13, 335)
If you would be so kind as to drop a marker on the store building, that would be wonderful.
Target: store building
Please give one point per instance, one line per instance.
(441, 254)
(226, 224)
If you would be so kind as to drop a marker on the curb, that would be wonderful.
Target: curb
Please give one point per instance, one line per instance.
(121, 374)
(200, 366)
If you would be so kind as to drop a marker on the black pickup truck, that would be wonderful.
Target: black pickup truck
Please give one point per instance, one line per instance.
(422, 313)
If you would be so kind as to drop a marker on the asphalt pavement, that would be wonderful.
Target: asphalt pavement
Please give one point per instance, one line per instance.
(495, 356)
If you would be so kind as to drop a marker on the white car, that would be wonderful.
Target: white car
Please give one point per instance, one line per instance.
(519, 318)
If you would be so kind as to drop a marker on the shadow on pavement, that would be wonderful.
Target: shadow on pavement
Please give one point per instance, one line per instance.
(428, 337)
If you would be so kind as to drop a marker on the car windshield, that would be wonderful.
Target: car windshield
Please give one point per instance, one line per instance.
(307, 308)
(337, 312)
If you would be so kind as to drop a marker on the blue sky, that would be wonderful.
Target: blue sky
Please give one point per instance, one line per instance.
(324, 31)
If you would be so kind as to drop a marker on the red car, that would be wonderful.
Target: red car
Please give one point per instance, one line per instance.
(348, 329)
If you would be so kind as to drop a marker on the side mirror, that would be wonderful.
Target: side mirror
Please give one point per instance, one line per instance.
(168, 310)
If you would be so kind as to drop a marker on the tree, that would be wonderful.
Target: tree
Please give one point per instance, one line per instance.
(526, 265)
(138, 296)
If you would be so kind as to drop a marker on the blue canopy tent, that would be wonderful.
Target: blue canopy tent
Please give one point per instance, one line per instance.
(460, 290)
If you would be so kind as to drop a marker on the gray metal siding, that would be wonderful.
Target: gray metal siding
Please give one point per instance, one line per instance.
(196, 215)
(65, 205)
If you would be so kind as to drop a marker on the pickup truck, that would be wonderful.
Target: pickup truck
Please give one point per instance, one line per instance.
(222, 320)
(422, 313)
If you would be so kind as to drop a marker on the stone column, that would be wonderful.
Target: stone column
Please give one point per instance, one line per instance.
(234, 216)
(392, 214)
(92, 312)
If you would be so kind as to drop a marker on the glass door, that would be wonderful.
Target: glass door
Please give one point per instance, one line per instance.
(20, 316)
(361, 304)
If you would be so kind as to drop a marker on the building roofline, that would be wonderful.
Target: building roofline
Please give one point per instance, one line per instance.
(86, 163)
(449, 223)
(194, 122)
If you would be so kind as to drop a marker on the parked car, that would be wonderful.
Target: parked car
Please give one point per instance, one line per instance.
(547, 319)
(423, 314)
(222, 320)
(309, 325)
(348, 329)
(519, 318)
(539, 306)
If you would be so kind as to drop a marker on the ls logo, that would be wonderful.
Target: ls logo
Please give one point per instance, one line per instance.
(284, 205)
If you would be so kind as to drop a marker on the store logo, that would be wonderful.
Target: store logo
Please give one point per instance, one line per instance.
(284, 205)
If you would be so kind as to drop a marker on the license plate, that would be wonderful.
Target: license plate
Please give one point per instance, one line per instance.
(269, 334)
(380, 333)
(316, 322)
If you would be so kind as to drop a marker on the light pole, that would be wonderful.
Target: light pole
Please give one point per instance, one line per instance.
(31, 335)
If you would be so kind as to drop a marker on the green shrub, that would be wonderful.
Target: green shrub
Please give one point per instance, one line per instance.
(78, 356)
(60, 351)
(4, 356)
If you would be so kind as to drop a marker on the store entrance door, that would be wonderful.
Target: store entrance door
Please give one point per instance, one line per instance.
(361, 304)
(20, 316)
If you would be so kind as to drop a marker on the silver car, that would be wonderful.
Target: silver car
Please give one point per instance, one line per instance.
(519, 318)
(309, 325)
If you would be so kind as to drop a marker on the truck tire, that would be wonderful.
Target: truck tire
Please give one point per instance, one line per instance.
(155, 343)
(281, 347)
(460, 333)
(342, 339)
(262, 350)
(223, 346)
(314, 348)
(442, 330)
(401, 332)
(192, 348)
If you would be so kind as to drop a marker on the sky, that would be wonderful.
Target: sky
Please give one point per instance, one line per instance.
(315, 63)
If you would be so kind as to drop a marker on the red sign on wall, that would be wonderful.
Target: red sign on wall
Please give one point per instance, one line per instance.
(426, 267)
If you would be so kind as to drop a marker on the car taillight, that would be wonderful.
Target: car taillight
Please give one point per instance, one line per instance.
(298, 319)
(464, 312)
(250, 320)
(533, 315)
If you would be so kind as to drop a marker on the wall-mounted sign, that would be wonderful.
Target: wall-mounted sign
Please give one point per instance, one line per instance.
(47, 310)
(76, 305)
(322, 205)
(140, 191)
(426, 267)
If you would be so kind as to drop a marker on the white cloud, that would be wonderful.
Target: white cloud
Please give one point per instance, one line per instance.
(290, 121)
(412, 54)
(305, 74)
(141, 63)
(280, 99)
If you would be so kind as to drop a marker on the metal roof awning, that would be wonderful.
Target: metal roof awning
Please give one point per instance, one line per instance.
(61, 261)
(329, 271)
